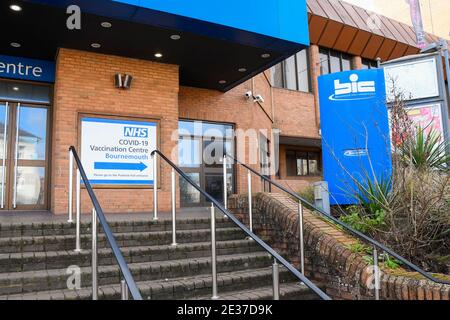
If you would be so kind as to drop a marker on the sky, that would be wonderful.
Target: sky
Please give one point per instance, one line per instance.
(435, 13)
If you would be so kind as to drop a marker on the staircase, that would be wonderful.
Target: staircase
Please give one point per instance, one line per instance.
(34, 259)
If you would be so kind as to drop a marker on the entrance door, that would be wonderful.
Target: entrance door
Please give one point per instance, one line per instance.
(23, 156)
(198, 159)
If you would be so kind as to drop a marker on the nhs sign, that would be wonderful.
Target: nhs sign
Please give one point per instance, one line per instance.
(355, 131)
(135, 132)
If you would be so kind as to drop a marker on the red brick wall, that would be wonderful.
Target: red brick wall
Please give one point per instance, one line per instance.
(85, 84)
(232, 107)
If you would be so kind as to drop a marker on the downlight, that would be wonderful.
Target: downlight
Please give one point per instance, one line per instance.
(15, 7)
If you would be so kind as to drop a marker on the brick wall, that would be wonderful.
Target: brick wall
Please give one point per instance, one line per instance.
(329, 260)
(85, 84)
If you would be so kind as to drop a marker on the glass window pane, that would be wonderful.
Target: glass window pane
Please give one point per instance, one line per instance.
(291, 163)
(277, 75)
(32, 140)
(324, 68)
(3, 139)
(30, 185)
(289, 67)
(189, 152)
(346, 62)
(188, 194)
(214, 186)
(313, 163)
(335, 62)
(19, 91)
(302, 163)
(303, 71)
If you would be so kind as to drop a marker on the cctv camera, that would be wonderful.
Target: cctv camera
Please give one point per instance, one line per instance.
(259, 99)
(248, 94)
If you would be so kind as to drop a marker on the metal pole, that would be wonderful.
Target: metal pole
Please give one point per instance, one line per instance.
(250, 207)
(225, 184)
(78, 204)
(302, 249)
(376, 273)
(124, 290)
(276, 280)
(213, 254)
(155, 187)
(94, 256)
(70, 204)
(174, 209)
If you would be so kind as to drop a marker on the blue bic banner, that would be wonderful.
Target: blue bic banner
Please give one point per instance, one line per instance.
(355, 131)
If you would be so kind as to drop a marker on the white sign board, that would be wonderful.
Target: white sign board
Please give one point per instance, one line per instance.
(118, 152)
(415, 79)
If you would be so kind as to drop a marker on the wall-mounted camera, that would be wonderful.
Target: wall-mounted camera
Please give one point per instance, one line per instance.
(258, 98)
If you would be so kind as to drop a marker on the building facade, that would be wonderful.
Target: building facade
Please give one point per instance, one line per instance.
(269, 105)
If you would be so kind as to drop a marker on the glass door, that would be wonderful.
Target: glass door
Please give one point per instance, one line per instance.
(24, 138)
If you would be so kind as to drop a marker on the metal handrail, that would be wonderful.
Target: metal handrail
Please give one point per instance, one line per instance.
(345, 226)
(128, 277)
(260, 242)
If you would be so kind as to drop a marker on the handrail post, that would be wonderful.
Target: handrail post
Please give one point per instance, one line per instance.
(302, 249)
(174, 210)
(70, 202)
(225, 184)
(376, 273)
(276, 280)
(250, 206)
(155, 187)
(124, 290)
(94, 256)
(78, 204)
(213, 254)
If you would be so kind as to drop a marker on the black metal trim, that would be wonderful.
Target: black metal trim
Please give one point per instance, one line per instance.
(349, 229)
(260, 242)
(109, 235)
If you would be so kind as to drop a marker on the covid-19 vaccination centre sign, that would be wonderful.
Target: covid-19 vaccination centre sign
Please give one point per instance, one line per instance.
(117, 152)
(355, 131)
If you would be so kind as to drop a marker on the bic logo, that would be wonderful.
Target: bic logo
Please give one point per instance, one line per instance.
(353, 90)
(135, 132)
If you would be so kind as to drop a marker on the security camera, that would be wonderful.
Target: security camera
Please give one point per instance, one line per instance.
(259, 99)
(249, 94)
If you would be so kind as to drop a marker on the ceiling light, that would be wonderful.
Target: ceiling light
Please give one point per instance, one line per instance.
(222, 81)
(242, 69)
(175, 37)
(15, 88)
(265, 55)
(106, 24)
(15, 45)
(95, 45)
(158, 55)
(15, 7)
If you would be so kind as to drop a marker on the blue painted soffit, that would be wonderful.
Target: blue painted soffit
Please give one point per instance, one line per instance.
(278, 25)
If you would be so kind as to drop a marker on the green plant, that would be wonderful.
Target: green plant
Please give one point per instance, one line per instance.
(358, 247)
(360, 221)
(307, 194)
(390, 262)
(424, 150)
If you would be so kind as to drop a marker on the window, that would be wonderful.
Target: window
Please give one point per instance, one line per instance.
(369, 64)
(334, 61)
(293, 73)
(302, 163)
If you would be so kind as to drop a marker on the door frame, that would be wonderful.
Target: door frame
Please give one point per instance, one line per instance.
(11, 154)
(202, 170)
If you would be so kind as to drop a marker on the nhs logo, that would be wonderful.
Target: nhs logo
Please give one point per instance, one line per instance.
(353, 89)
(135, 132)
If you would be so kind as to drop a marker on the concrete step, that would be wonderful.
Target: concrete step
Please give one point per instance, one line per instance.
(35, 261)
(67, 242)
(288, 291)
(177, 288)
(60, 229)
(31, 281)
